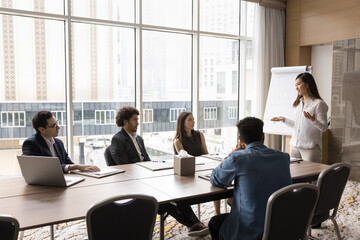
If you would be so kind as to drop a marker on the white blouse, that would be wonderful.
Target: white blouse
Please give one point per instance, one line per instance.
(306, 134)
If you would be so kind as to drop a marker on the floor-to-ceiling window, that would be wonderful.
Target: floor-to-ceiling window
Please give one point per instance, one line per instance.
(84, 59)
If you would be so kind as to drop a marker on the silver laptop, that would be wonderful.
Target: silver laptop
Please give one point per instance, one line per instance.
(45, 171)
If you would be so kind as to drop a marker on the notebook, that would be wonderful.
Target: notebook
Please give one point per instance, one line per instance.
(156, 165)
(216, 156)
(104, 172)
(45, 171)
(207, 177)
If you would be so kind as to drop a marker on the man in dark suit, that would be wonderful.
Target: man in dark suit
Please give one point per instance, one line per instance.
(128, 147)
(45, 143)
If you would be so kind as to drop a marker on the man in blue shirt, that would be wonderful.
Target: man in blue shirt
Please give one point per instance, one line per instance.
(256, 172)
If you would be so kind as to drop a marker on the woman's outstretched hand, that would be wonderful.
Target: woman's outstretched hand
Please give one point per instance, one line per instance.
(278, 119)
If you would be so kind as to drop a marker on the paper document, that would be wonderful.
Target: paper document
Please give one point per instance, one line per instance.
(102, 173)
(207, 177)
(156, 165)
(216, 156)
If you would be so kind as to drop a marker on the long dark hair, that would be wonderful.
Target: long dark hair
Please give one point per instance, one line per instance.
(180, 128)
(308, 79)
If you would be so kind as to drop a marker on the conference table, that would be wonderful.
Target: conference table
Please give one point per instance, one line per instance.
(38, 206)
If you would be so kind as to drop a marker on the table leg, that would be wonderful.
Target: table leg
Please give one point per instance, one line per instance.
(162, 222)
(199, 212)
(52, 232)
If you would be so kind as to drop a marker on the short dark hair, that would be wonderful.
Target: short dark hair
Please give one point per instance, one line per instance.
(250, 129)
(125, 113)
(40, 119)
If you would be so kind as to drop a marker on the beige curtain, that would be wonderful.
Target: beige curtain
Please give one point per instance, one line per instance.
(277, 4)
(269, 45)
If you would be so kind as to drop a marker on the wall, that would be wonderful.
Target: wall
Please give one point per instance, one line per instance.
(309, 24)
(321, 61)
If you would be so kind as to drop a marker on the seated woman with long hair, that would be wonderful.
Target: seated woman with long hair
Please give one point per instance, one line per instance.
(190, 140)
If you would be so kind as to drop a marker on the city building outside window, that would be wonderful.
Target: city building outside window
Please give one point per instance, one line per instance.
(148, 115)
(104, 117)
(60, 116)
(210, 113)
(233, 112)
(13, 119)
(174, 113)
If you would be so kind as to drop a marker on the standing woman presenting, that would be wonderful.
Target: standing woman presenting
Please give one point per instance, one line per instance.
(310, 120)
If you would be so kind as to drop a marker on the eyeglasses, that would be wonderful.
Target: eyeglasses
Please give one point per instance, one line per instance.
(54, 125)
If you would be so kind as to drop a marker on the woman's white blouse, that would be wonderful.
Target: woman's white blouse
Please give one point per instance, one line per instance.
(306, 134)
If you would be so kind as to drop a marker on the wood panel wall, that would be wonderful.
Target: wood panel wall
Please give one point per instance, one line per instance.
(314, 22)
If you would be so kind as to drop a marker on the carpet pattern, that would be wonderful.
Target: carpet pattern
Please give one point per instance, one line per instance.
(348, 218)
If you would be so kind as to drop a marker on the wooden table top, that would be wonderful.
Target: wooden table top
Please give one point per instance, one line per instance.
(66, 204)
(36, 206)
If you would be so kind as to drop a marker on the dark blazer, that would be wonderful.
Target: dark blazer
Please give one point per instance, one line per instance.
(36, 146)
(123, 150)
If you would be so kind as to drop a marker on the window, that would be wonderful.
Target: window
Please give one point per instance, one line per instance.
(60, 116)
(174, 113)
(221, 82)
(233, 112)
(148, 115)
(104, 117)
(210, 113)
(234, 82)
(13, 119)
(102, 50)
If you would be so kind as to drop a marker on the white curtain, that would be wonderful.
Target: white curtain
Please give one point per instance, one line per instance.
(269, 51)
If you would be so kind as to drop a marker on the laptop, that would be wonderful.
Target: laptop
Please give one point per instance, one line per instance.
(45, 171)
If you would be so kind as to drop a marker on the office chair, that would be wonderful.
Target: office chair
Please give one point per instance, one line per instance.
(108, 158)
(289, 211)
(122, 217)
(9, 227)
(331, 183)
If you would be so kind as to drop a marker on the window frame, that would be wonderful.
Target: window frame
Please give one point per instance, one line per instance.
(177, 111)
(146, 115)
(210, 113)
(13, 119)
(103, 113)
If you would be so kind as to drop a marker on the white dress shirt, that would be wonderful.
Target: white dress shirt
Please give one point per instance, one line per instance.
(50, 144)
(306, 134)
(133, 138)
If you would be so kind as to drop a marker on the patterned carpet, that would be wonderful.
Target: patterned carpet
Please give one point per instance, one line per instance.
(348, 219)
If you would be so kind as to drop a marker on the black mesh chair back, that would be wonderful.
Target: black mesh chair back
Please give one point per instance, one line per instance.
(9, 227)
(289, 211)
(108, 158)
(331, 183)
(130, 217)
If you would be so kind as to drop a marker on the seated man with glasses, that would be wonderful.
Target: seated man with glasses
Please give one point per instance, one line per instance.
(45, 143)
